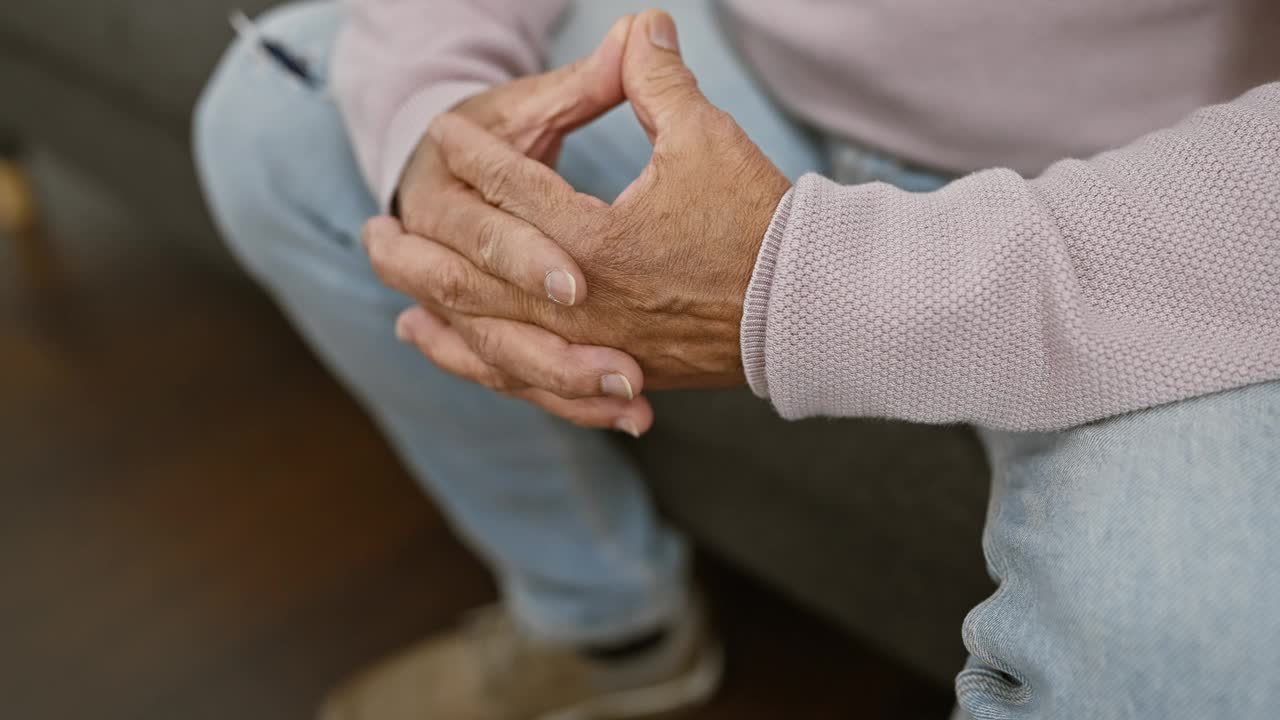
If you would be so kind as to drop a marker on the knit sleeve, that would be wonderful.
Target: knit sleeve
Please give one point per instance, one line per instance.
(398, 64)
(1141, 276)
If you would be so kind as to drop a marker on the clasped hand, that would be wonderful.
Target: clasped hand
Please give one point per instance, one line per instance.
(536, 290)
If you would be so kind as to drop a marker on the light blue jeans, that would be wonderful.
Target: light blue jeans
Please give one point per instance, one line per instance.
(1138, 559)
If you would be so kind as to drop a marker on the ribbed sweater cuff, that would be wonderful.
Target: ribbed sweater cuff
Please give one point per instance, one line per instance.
(755, 308)
(407, 127)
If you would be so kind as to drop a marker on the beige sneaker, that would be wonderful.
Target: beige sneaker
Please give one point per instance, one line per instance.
(489, 670)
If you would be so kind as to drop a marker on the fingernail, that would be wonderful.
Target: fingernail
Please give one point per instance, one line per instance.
(662, 32)
(402, 329)
(561, 287)
(617, 385)
(627, 426)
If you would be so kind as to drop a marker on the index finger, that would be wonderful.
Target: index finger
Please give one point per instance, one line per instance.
(494, 241)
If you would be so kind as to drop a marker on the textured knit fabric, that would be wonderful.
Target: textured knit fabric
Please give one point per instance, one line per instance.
(963, 85)
(957, 85)
(1140, 277)
(1145, 275)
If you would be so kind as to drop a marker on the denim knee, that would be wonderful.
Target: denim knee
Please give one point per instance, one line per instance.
(272, 152)
(1136, 567)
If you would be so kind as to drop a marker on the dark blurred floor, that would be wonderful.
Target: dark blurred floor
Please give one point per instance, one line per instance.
(196, 522)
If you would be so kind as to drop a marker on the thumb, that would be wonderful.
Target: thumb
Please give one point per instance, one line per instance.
(655, 79)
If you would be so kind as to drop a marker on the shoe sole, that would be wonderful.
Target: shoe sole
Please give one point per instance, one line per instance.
(680, 693)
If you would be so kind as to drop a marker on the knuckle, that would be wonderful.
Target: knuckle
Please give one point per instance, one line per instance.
(718, 122)
(562, 379)
(495, 173)
(504, 118)
(488, 243)
(452, 286)
(488, 344)
(419, 219)
(500, 117)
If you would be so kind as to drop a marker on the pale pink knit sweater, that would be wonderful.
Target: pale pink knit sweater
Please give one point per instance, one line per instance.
(1141, 276)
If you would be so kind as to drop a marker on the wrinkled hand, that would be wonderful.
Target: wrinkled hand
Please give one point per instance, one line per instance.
(532, 114)
(669, 262)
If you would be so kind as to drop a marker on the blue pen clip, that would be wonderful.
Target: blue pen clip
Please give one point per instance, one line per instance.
(292, 62)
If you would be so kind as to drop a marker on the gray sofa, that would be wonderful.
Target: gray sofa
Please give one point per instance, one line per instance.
(873, 524)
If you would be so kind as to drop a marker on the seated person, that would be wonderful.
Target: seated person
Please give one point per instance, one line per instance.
(1112, 327)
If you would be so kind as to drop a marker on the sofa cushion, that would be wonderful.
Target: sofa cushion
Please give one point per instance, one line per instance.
(876, 524)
